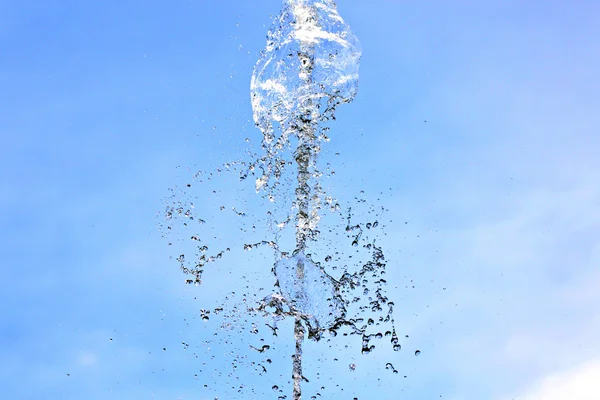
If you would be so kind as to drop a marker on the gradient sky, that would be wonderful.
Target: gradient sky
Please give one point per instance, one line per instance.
(478, 120)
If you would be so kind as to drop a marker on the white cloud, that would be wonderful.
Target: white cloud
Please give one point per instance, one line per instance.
(522, 291)
(578, 383)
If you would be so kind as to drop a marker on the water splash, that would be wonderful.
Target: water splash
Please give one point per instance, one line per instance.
(311, 61)
(309, 67)
(313, 295)
(342, 294)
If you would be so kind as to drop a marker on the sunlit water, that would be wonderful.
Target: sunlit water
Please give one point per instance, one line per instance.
(309, 67)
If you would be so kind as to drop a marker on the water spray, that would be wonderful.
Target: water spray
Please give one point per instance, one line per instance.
(309, 66)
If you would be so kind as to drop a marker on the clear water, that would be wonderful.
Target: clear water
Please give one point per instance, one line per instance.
(328, 273)
(313, 296)
(309, 67)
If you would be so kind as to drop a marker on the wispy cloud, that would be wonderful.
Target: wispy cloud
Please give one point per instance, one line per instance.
(577, 383)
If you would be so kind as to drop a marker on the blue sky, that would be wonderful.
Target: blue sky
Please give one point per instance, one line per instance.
(478, 121)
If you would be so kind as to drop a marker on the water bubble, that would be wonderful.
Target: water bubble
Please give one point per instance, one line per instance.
(417, 352)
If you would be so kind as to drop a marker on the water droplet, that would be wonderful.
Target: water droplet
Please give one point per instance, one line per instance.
(417, 352)
(262, 349)
(204, 314)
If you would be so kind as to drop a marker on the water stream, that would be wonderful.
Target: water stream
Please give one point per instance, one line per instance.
(308, 68)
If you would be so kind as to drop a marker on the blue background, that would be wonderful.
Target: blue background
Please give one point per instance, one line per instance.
(479, 121)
